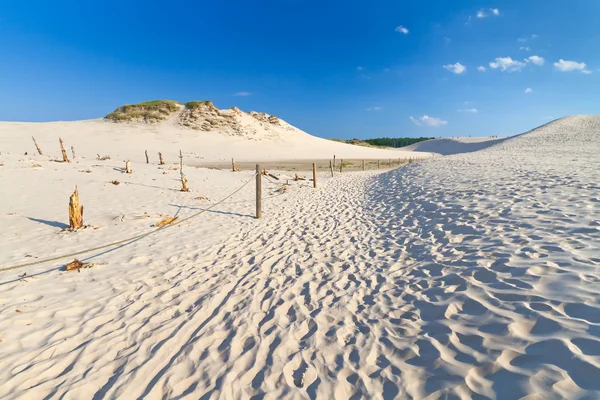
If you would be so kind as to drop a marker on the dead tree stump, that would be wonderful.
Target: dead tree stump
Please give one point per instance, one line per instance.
(128, 167)
(75, 211)
(73, 151)
(62, 149)
(160, 159)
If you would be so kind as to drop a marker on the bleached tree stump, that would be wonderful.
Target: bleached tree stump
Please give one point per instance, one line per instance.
(75, 211)
(160, 159)
(128, 167)
(62, 149)
(73, 151)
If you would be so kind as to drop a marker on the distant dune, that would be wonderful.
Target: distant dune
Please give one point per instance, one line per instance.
(197, 127)
(447, 146)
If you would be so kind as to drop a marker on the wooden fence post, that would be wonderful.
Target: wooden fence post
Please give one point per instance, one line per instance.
(62, 149)
(341, 165)
(184, 187)
(37, 147)
(160, 159)
(258, 192)
(334, 161)
(377, 164)
(73, 151)
(314, 175)
(128, 167)
(331, 167)
(363, 165)
(147, 160)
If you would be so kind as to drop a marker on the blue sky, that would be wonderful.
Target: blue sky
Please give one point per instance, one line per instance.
(333, 68)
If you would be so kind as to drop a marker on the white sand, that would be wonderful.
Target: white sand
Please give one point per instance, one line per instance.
(470, 275)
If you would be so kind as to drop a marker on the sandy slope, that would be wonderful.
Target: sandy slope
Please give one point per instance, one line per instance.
(446, 146)
(254, 140)
(469, 276)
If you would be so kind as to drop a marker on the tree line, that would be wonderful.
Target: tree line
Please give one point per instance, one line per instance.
(395, 142)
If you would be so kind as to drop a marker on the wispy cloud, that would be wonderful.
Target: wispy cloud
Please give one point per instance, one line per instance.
(469, 110)
(568, 66)
(481, 68)
(528, 90)
(524, 39)
(507, 64)
(360, 68)
(401, 29)
(242, 94)
(374, 109)
(484, 14)
(536, 60)
(426, 120)
(524, 48)
(457, 68)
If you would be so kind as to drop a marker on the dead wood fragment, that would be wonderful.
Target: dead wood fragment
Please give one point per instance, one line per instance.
(166, 221)
(75, 211)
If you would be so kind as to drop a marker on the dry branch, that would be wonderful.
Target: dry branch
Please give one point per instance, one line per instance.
(37, 147)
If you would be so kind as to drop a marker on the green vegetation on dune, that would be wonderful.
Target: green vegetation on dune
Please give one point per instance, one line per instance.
(147, 111)
(395, 142)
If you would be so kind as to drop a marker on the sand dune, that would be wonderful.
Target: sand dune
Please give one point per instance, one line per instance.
(447, 146)
(472, 276)
(204, 133)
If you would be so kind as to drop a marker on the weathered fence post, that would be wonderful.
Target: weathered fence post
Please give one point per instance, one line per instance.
(334, 161)
(128, 167)
(62, 149)
(331, 167)
(184, 187)
(341, 165)
(73, 151)
(377, 164)
(37, 147)
(363, 165)
(147, 160)
(160, 159)
(390, 163)
(258, 192)
(314, 175)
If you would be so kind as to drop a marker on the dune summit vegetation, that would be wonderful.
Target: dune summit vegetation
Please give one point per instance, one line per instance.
(147, 111)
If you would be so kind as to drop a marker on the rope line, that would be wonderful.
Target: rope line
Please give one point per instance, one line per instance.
(131, 238)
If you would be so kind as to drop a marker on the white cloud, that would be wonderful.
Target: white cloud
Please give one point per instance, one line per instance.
(524, 48)
(567, 66)
(242, 94)
(457, 68)
(507, 64)
(534, 36)
(481, 68)
(469, 110)
(482, 14)
(586, 71)
(428, 121)
(401, 29)
(536, 60)
(528, 90)
(374, 109)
